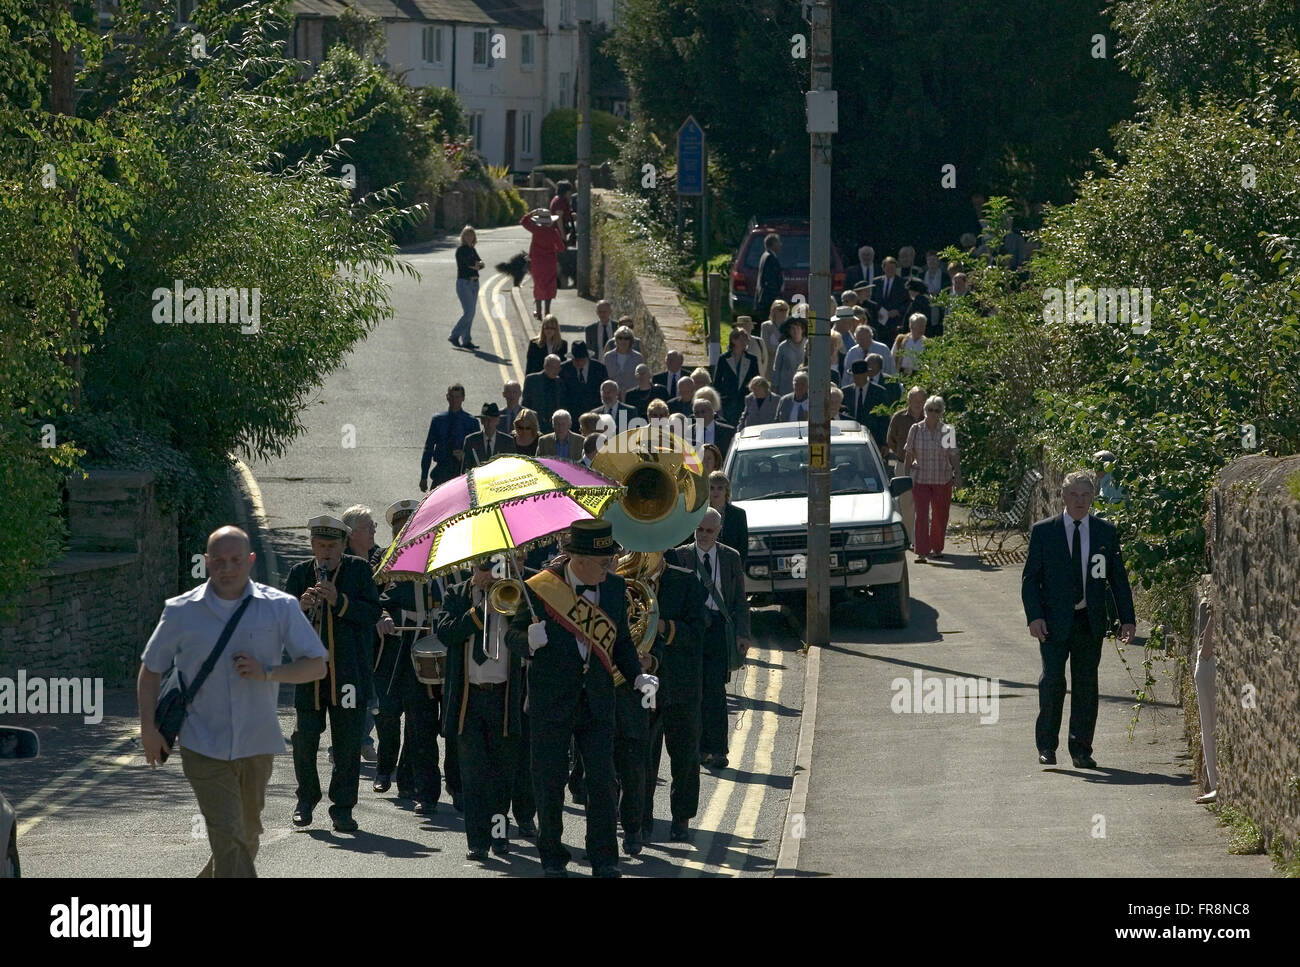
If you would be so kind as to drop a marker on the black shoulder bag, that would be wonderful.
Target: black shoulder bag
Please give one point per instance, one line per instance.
(174, 698)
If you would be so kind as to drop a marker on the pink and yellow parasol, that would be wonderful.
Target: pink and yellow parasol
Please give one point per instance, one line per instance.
(512, 502)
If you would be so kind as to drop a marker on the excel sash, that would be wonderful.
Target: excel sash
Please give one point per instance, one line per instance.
(576, 614)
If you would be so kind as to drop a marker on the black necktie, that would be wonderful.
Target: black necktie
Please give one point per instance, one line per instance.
(858, 408)
(1076, 562)
(480, 656)
(584, 588)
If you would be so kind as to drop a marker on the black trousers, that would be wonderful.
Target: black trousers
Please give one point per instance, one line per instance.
(631, 754)
(488, 761)
(345, 736)
(416, 767)
(523, 802)
(678, 727)
(1084, 653)
(552, 728)
(713, 699)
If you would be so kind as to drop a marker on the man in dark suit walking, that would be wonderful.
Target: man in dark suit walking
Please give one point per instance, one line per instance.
(578, 636)
(582, 377)
(487, 443)
(669, 377)
(1073, 559)
(544, 392)
(726, 636)
(600, 332)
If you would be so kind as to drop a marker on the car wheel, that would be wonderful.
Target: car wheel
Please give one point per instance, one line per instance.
(895, 603)
(11, 868)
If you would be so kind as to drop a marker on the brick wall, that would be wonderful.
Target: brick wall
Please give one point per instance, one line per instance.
(1255, 540)
(93, 611)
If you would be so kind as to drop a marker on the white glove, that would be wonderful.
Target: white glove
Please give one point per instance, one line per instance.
(647, 685)
(536, 635)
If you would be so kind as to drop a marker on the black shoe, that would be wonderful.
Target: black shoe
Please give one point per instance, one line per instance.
(501, 846)
(425, 807)
(302, 815)
(606, 872)
(468, 345)
(383, 783)
(478, 855)
(1047, 758)
(527, 828)
(554, 872)
(681, 833)
(718, 762)
(345, 824)
(632, 844)
(1084, 762)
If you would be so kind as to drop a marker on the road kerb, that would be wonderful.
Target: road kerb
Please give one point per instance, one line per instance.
(787, 858)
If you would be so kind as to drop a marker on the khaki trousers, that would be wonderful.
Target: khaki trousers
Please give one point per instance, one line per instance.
(230, 794)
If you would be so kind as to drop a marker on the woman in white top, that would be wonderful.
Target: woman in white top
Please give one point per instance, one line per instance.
(624, 360)
(789, 357)
(909, 344)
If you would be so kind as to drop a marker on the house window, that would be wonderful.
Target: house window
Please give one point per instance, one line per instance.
(564, 90)
(431, 45)
(526, 134)
(476, 129)
(526, 58)
(566, 12)
(481, 42)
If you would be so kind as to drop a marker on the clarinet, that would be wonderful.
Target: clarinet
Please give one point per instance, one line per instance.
(322, 574)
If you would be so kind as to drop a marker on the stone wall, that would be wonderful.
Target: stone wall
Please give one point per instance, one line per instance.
(92, 613)
(1255, 541)
(658, 318)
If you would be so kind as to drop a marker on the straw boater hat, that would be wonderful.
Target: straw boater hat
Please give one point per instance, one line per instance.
(590, 538)
(328, 527)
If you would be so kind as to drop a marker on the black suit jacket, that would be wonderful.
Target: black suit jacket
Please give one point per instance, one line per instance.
(544, 396)
(353, 617)
(620, 421)
(537, 355)
(875, 396)
(394, 658)
(1047, 582)
(722, 436)
(733, 385)
(854, 274)
(595, 345)
(475, 448)
(735, 532)
(661, 379)
(677, 405)
(582, 397)
(459, 626)
(718, 648)
(896, 299)
(555, 676)
(679, 651)
(639, 399)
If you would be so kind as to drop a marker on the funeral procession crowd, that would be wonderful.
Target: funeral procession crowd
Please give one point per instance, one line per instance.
(562, 602)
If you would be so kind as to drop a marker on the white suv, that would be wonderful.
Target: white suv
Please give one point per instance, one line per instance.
(768, 469)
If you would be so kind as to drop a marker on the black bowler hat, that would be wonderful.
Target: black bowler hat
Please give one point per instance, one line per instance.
(591, 538)
(915, 285)
(490, 409)
(579, 350)
(859, 366)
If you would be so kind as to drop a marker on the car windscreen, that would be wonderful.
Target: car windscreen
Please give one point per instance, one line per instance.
(783, 472)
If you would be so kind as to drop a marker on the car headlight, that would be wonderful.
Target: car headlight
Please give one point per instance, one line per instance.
(873, 535)
(757, 543)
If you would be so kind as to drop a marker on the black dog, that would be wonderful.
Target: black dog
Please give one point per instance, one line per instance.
(516, 268)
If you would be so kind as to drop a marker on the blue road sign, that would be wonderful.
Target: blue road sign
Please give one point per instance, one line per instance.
(690, 158)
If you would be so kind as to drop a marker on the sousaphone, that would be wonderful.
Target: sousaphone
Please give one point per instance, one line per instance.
(667, 492)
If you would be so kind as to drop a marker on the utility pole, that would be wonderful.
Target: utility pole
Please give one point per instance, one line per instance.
(585, 13)
(822, 123)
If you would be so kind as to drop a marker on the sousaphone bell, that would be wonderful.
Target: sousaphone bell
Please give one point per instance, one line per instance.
(667, 492)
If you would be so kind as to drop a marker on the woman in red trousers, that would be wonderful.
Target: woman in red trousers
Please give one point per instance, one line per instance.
(934, 462)
(543, 256)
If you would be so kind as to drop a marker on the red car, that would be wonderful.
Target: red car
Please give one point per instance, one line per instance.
(794, 261)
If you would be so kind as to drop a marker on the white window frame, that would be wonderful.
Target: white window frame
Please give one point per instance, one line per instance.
(431, 42)
(476, 129)
(527, 51)
(564, 90)
(526, 134)
(486, 64)
(568, 16)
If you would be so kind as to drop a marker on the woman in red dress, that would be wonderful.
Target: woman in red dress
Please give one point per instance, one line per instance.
(543, 257)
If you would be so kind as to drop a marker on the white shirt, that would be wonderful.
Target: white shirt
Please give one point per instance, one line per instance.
(798, 409)
(491, 670)
(231, 717)
(1083, 550)
(591, 596)
(712, 555)
(856, 352)
(604, 333)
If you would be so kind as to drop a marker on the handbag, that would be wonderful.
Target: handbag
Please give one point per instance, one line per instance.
(174, 697)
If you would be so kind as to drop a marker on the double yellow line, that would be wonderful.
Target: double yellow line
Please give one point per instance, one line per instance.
(491, 299)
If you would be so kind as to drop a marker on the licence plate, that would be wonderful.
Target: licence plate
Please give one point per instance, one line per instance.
(785, 563)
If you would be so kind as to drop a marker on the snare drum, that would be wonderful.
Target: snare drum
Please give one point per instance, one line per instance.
(429, 656)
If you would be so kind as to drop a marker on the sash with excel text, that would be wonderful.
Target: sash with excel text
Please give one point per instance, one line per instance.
(576, 614)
